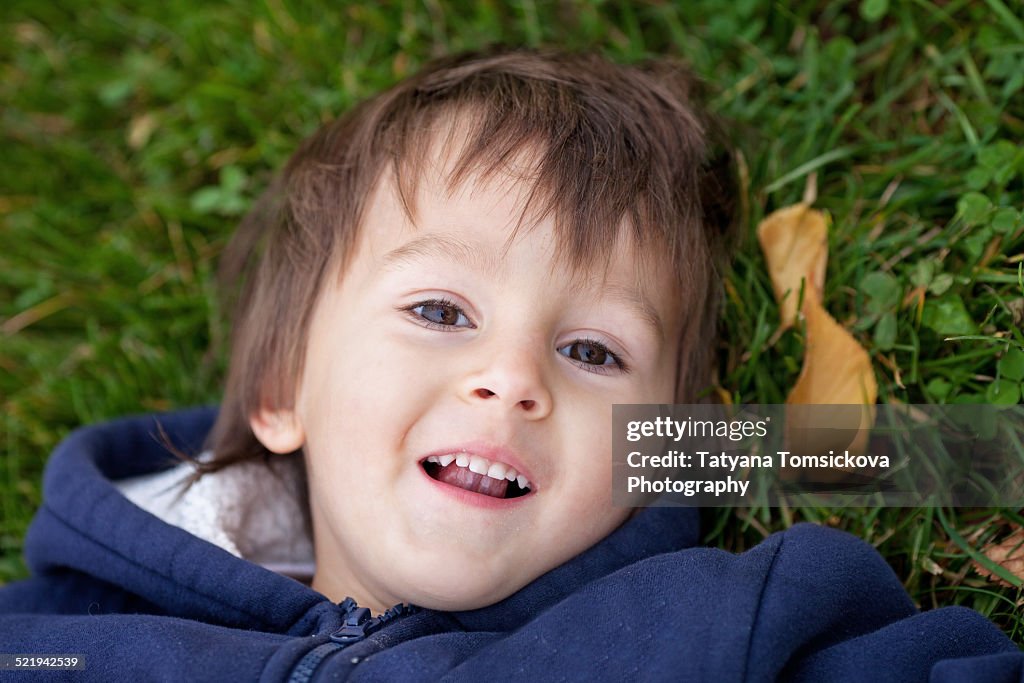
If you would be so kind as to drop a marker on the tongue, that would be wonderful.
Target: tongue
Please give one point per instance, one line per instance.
(471, 481)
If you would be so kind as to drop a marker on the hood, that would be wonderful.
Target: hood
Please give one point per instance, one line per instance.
(256, 510)
(113, 508)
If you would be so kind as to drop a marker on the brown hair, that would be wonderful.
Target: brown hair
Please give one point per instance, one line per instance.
(615, 146)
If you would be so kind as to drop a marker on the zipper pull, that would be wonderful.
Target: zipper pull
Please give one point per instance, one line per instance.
(358, 624)
(355, 628)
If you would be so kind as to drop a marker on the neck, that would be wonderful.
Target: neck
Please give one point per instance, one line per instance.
(337, 591)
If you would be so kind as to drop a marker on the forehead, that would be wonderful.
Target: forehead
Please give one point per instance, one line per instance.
(459, 159)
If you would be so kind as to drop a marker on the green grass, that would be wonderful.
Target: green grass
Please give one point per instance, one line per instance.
(133, 140)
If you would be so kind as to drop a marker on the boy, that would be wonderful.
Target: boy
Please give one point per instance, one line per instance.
(452, 286)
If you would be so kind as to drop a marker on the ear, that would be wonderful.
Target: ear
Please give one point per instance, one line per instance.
(279, 430)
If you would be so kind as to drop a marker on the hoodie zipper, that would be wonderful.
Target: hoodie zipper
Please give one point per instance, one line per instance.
(357, 625)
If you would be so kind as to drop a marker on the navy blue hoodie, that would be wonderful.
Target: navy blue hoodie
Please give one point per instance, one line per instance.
(144, 600)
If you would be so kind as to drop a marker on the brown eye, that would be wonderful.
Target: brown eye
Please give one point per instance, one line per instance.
(441, 313)
(588, 352)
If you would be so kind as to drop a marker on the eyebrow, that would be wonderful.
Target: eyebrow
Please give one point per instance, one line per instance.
(639, 304)
(456, 251)
(442, 247)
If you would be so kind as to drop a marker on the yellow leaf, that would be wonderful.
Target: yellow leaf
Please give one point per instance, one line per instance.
(795, 245)
(836, 370)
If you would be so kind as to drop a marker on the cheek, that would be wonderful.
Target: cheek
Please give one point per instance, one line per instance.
(588, 458)
(347, 368)
(659, 388)
(593, 504)
(360, 399)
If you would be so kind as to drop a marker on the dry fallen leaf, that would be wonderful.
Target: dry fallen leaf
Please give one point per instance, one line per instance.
(1008, 554)
(140, 129)
(795, 244)
(836, 370)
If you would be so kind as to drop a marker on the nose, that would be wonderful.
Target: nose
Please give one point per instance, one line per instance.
(511, 376)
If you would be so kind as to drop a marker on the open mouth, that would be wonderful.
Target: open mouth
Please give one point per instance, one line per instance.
(477, 474)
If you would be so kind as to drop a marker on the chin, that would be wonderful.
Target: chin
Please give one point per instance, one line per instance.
(458, 593)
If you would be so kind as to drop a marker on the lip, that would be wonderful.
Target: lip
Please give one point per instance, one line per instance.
(492, 452)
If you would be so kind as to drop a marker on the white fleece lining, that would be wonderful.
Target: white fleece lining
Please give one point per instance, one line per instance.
(247, 509)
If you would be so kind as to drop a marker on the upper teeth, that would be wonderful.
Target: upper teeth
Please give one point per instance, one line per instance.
(479, 465)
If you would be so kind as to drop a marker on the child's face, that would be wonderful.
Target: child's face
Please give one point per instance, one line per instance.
(437, 341)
